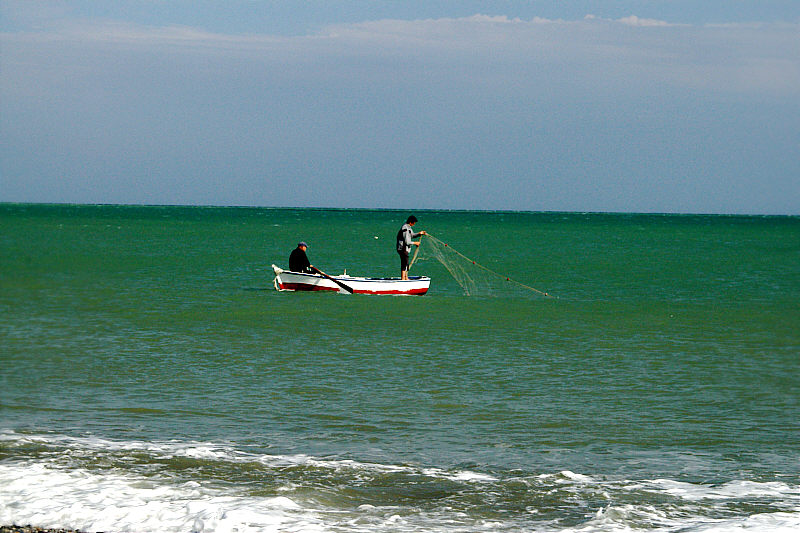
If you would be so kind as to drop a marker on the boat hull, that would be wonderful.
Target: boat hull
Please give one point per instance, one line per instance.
(286, 280)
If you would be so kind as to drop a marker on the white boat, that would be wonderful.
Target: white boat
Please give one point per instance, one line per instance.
(286, 280)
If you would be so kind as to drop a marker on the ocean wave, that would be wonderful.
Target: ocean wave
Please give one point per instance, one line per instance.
(730, 490)
(48, 497)
(224, 452)
(98, 484)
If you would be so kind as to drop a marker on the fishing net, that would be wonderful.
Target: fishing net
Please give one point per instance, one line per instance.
(474, 278)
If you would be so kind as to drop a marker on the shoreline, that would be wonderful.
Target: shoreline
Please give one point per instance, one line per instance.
(33, 529)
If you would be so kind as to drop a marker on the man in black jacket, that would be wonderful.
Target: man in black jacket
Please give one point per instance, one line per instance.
(298, 260)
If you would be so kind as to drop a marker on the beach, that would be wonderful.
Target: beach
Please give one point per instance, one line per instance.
(31, 529)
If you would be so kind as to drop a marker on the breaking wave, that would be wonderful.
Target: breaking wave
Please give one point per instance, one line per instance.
(125, 486)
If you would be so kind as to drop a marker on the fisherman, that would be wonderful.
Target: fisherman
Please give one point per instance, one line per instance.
(405, 238)
(298, 260)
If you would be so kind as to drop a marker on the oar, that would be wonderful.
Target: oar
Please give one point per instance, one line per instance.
(336, 281)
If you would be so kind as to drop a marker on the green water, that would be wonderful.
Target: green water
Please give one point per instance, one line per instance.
(667, 364)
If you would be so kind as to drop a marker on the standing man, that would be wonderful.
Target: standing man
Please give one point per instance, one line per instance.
(405, 238)
(298, 260)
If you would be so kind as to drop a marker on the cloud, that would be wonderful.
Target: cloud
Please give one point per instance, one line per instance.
(90, 32)
(627, 54)
(723, 57)
(633, 20)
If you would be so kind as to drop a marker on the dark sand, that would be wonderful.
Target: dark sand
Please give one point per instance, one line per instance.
(31, 529)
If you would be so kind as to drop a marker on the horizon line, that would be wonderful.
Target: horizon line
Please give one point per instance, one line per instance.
(399, 209)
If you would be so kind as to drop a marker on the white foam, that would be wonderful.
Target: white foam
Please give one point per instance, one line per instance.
(580, 478)
(467, 476)
(221, 452)
(36, 493)
(730, 490)
(44, 492)
(566, 476)
(165, 448)
(620, 519)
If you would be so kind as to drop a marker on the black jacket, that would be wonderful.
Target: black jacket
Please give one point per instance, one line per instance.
(298, 261)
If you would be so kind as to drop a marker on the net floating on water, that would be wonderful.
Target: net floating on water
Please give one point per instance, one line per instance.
(474, 281)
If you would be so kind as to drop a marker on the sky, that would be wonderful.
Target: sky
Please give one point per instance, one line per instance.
(670, 106)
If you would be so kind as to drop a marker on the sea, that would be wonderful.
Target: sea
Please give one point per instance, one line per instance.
(152, 379)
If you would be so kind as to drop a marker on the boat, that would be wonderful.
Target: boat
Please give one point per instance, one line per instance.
(286, 280)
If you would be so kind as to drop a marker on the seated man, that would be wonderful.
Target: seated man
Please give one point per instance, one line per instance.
(298, 260)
